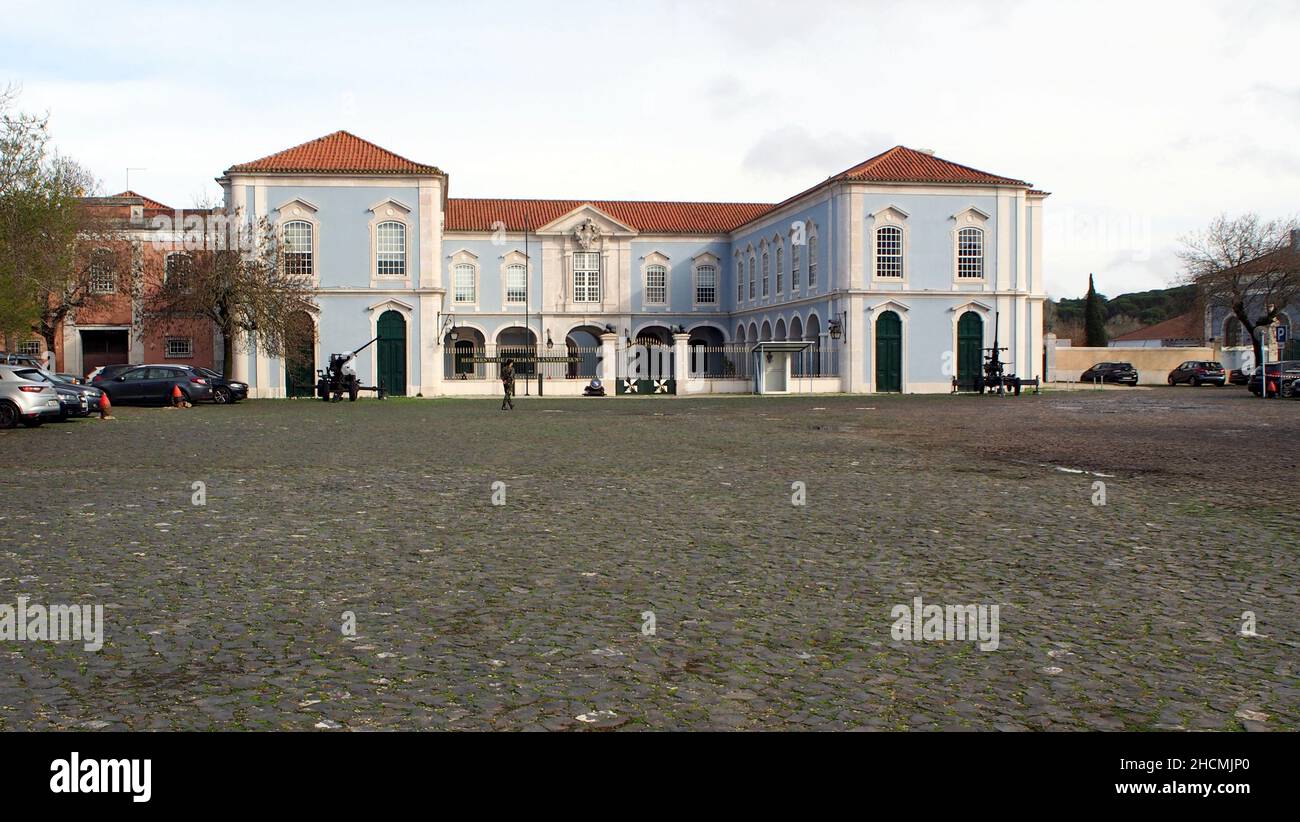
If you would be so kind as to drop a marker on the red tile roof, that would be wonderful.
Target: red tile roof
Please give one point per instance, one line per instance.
(148, 203)
(337, 153)
(649, 217)
(901, 164)
(1189, 326)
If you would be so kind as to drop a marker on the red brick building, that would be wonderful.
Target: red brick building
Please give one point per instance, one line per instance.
(110, 328)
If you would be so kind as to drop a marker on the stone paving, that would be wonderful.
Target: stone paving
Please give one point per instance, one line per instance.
(767, 615)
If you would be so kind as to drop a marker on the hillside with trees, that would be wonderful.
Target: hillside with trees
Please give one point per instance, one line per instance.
(1067, 318)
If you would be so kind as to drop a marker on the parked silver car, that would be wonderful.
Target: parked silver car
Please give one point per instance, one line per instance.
(77, 400)
(26, 401)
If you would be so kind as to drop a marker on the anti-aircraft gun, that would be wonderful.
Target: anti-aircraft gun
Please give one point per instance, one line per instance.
(341, 376)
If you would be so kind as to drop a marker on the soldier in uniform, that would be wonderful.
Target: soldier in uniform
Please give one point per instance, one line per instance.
(508, 383)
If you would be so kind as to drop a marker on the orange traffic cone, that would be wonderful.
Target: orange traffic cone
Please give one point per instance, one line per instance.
(178, 398)
(105, 407)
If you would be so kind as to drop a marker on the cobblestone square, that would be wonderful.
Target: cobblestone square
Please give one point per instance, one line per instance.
(766, 614)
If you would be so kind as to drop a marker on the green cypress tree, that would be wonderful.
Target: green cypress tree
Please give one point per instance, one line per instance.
(1094, 318)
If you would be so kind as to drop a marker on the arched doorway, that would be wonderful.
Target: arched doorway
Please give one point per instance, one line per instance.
(970, 345)
(889, 352)
(799, 363)
(813, 333)
(520, 344)
(584, 351)
(299, 355)
(467, 345)
(391, 331)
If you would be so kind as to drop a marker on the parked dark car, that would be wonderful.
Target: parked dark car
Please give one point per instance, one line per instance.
(1238, 377)
(224, 390)
(107, 372)
(1281, 378)
(76, 400)
(1199, 372)
(1117, 372)
(153, 384)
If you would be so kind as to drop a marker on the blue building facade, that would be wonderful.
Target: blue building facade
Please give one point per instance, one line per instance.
(895, 273)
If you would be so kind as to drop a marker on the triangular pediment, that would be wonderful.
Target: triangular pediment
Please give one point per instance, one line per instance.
(587, 214)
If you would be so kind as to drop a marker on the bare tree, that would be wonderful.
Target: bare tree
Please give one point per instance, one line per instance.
(236, 274)
(1248, 264)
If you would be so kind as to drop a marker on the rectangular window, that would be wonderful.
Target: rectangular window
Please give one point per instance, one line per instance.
(180, 347)
(102, 280)
(740, 281)
(706, 285)
(765, 274)
(466, 287)
(298, 248)
(31, 348)
(390, 250)
(656, 284)
(586, 277)
(889, 252)
(794, 266)
(751, 278)
(780, 270)
(812, 262)
(516, 284)
(970, 253)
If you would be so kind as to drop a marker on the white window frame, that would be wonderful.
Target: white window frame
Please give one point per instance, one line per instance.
(968, 262)
(655, 265)
(30, 348)
(796, 264)
(740, 280)
(186, 353)
(699, 264)
(890, 217)
(102, 281)
(586, 277)
(814, 249)
(512, 263)
(752, 279)
(883, 265)
(967, 219)
(780, 266)
(299, 210)
(460, 262)
(291, 243)
(766, 269)
(385, 212)
(383, 255)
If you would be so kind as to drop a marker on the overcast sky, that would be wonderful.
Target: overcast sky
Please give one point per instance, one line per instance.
(1144, 119)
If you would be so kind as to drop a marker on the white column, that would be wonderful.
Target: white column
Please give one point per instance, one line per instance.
(681, 361)
(238, 370)
(608, 361)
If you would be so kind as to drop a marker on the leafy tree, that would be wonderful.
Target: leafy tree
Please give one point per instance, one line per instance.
(55, 253)
(1094, 317)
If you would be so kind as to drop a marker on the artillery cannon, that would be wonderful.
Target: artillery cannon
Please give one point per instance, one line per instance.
(341, 376)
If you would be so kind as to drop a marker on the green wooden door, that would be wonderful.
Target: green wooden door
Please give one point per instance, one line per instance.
(889, 352)
(392, 353)
(970, 344)
(300, 356)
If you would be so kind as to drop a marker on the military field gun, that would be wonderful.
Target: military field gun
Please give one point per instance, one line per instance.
(341, 376)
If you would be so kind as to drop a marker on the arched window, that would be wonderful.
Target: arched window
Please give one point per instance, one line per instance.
(751, 278)
(465, 283)
(765, 274)
(298, 249)
(103, 271)
(812, 260)
(740, 281)
(706, 284)
(780, 269)
(889, 251)
(656, 284)
(1233, 332)
(970, 253)
(390, 250)
(795, 265)
(516, 283)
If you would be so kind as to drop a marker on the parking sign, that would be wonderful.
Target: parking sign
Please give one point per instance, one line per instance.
(1281, 334)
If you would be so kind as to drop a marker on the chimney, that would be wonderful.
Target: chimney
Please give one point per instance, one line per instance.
(928, 151)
